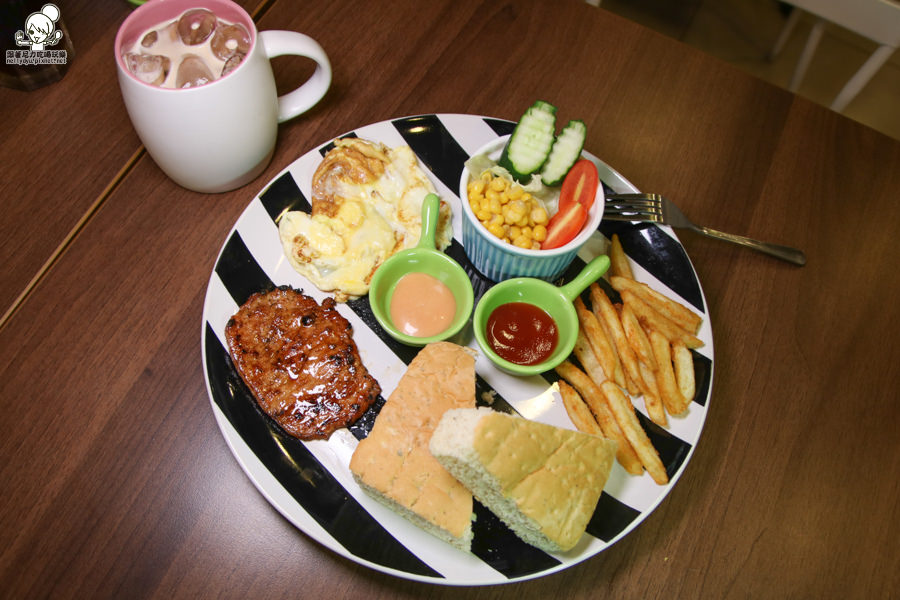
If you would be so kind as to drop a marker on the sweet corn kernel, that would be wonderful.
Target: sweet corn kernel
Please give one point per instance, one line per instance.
(539, 215)
(498, 184)
(510, 215)
(522, 242)
(539, 233)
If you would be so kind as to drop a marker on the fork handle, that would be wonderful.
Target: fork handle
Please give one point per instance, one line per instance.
(792, 255)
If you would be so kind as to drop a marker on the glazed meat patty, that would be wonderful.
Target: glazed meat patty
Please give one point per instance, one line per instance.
(300, 361)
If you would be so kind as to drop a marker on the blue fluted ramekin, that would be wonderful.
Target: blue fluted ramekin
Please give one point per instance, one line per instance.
(499, 260)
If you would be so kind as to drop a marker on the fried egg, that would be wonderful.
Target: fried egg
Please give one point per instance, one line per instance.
(366, 206)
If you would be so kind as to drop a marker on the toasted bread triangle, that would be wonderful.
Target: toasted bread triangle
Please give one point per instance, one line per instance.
(542, 481)
(393, 464)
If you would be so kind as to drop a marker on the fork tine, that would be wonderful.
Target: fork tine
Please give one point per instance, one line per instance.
(633, 204)
(634, 199)
(633, 217)
(635, 196)
(631, 214)
(626, 218)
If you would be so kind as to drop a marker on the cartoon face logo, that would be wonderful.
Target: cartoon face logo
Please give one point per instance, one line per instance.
(40, 29)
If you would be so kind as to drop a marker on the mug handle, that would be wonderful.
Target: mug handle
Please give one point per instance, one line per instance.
(279, 43)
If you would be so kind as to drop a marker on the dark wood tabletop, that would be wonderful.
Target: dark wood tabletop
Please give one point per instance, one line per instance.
(116, 481)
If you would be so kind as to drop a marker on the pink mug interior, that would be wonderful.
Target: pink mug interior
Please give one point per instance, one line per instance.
(156, 12)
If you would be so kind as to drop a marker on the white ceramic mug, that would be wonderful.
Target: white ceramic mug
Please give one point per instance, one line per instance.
(219, 136)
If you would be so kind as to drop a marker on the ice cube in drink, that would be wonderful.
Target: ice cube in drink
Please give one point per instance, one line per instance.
(231, 64)
(192, 72)
(149, 68)
(196, 25)
(151, 38)
(229, 40)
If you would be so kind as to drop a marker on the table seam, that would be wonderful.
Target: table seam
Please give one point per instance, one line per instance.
(70, 237)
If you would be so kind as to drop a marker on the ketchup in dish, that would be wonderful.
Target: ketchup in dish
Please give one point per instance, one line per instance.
(422, 306)
(522, 333)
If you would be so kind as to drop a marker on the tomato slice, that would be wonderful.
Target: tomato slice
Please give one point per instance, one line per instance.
(580, 185)
(564, 226)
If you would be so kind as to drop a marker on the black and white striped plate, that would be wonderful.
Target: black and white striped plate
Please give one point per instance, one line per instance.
(310, 483)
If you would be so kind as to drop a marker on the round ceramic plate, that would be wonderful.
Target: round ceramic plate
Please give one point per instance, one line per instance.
(310, 482)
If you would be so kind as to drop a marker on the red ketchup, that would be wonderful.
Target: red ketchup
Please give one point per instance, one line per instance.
(522, 333)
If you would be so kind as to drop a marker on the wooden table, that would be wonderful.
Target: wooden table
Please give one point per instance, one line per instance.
(116, 481)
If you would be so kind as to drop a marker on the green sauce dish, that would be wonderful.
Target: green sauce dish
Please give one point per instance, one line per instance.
(424, 258)
(556, 301)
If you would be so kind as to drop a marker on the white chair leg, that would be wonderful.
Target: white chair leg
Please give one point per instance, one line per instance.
(786, 32)
(806, 57)
(862, 77)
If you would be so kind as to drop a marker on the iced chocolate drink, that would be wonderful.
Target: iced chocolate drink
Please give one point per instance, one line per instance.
(193, 50)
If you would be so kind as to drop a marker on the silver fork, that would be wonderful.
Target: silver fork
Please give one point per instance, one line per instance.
(657, 209)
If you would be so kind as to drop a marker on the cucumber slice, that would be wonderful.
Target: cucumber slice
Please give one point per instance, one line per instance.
(566, 150)
(530, 143)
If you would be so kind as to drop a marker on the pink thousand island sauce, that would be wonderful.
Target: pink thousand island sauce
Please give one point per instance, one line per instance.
(422, 305)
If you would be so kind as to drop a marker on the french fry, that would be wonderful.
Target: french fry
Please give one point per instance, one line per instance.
(588, 359)
(578, 411)
(646, 364)
(608, 315)
(631, 385)
(596, 401)
(637, 337)
(665, 375)
(623, 412)
(652, 402)
(669, 308)
(599, 341)
(618, 262)
(683, 362)
(650, 318)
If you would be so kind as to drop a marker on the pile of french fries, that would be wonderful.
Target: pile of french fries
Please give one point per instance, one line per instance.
(639, 347)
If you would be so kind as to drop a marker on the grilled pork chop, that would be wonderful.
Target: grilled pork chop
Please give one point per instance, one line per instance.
(300, 361)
